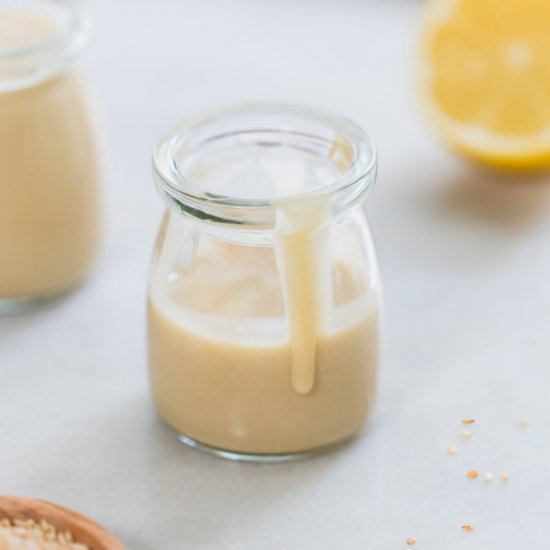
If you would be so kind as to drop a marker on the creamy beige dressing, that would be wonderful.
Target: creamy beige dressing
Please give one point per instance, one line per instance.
(48, 174)
(237, 395)
(222, 351)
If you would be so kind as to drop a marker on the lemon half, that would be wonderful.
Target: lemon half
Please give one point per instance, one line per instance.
(485, 78)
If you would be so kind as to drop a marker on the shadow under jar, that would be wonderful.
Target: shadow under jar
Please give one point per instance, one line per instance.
(48, 161)
(264, 297)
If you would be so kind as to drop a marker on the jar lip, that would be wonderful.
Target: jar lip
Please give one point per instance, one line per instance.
(53, 52)
(179, 189)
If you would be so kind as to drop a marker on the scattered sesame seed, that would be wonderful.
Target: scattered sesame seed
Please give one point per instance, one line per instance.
(468, 528)
(411, 541)
(523, 421)
(505, 477)
(466, 434)
(472, 474)
(488, 477)
(451, 451)
(468, 421)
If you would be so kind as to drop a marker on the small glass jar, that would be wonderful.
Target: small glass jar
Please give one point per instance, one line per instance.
(263, 311)
(48, 161)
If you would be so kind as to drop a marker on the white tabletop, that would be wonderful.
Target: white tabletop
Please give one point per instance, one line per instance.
(464, 256)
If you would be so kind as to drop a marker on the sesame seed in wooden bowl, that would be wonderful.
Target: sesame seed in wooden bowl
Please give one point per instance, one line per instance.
(31, 520)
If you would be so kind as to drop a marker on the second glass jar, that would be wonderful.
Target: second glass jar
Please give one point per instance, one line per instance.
(48, 161)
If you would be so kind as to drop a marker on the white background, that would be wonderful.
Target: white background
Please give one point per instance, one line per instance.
(465, 259)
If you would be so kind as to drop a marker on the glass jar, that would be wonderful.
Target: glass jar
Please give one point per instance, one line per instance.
(263, 310)
(48, 162)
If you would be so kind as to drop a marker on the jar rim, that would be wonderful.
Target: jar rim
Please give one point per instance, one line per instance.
(44, 57)
(350, 187)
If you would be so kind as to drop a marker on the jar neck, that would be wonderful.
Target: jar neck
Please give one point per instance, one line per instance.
(294, 136)
(41, 39)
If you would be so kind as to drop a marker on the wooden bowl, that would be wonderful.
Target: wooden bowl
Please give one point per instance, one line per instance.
(84, 530)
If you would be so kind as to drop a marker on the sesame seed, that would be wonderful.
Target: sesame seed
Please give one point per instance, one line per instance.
(451, 451)
(466, 434)
(468, 421)
(505, 477)
(468, 528)
(523, 421)
(411, 541)
(488, 477)
(472, 474)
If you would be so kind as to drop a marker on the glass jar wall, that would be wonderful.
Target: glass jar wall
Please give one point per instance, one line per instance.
(264, 291)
